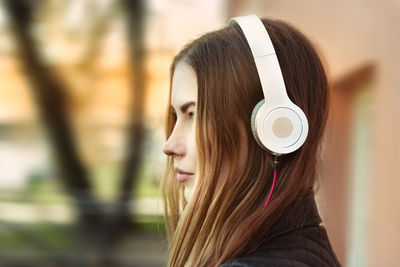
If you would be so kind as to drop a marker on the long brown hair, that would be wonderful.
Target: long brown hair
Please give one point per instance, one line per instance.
(218, 225)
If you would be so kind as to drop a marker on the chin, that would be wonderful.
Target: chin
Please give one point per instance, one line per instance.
(187, 193)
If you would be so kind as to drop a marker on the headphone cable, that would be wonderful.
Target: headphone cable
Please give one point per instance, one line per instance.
(275, 169)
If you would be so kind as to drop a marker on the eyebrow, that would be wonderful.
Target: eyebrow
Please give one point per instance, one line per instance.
(185, 106)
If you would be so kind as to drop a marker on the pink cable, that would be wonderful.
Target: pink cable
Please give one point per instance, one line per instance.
(272, 189)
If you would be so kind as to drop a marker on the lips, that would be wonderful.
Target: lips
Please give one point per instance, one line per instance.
(182, 176)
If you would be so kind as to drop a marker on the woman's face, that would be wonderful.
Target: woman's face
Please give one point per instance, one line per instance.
(181, 143)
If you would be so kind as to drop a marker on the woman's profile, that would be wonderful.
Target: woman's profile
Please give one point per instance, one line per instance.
(239, 190)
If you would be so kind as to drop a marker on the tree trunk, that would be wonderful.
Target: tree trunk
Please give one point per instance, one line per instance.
(135, 14)
(50, 95)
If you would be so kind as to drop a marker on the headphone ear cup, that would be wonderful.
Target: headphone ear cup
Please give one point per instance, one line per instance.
(280, 130)
(253, 121)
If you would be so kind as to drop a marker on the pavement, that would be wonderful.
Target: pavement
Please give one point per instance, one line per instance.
(141, 248)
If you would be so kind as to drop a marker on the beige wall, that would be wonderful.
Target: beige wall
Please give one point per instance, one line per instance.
(351, 34)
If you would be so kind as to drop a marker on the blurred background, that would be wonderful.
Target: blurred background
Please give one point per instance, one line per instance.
(83, 91)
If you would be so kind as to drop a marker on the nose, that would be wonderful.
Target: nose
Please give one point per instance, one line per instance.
(174, 146)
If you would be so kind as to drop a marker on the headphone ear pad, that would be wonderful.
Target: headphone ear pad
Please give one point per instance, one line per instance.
(253, 121)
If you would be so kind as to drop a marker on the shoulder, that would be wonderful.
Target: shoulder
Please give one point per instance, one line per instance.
(252, 261)
(304, 247)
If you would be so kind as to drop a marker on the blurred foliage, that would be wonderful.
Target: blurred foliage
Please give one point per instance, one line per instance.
(105, 180)
(56, 236)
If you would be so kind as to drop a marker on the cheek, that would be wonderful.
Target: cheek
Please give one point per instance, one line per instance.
(191, 147)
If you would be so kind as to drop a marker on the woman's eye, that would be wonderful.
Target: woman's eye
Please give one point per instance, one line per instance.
(191, 114)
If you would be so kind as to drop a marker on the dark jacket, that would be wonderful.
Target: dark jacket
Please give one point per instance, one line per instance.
(297, 240)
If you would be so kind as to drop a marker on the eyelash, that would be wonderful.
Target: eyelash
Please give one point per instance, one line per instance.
(189, 114)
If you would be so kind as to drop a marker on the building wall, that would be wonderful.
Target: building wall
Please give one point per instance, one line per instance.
(350, 35)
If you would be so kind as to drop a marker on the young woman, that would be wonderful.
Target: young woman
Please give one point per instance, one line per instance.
(227, 200)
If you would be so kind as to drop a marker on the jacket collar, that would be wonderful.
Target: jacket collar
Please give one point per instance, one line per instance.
(304, 214)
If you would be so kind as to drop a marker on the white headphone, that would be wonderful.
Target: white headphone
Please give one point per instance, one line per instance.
(278, 124)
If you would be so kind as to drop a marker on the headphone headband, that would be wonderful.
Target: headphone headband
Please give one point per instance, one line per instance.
(267, 64)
